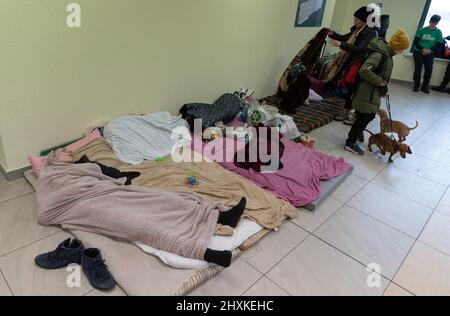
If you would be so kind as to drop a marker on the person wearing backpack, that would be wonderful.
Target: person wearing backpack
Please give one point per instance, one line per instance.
(424, 42)
(374, 74)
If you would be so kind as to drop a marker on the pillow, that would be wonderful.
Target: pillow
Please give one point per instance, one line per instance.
(36, 162)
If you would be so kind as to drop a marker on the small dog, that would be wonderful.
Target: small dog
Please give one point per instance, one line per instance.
(388, 126)
(387, 144)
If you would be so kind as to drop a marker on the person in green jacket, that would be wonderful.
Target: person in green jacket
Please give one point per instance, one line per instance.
(374, 76)
(424, 42)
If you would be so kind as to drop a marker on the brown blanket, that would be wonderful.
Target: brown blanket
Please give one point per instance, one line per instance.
(79, 196)
(215, 183)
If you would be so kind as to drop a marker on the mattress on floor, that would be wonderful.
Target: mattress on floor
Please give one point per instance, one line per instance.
(140, 274)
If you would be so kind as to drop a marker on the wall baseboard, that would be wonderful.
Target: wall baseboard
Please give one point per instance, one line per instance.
(402, 82)
(14, 174)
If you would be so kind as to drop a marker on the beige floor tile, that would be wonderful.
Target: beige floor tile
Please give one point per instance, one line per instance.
(366, 240)
(437, 232)
(444, 204)
(13, 189)
(4, 290)
(427, 168)
(411, 186)
(365, 167)
(346, 190)
(392, 209)
(25, 278)
(265, 287)
(117, 291)
(425, 272)
(233, 281)
(315, 268)
(395, 290)
(430, 151)
(18, 224)
(269, 251)
(436, 137)
(311, 220)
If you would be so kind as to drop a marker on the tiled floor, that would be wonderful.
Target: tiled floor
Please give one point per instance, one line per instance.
(385, 231)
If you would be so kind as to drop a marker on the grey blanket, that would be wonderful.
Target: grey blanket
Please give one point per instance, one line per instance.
(81, 197)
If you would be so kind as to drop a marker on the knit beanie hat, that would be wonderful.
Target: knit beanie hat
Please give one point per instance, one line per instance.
(362, 14)
(400, 40)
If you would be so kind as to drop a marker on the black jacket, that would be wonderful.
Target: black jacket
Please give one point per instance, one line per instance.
(358, 50)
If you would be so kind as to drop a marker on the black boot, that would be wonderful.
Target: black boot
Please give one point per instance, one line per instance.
(441, 89)
(425, 89)
(96, 270)
(416, 87)
(67, 252)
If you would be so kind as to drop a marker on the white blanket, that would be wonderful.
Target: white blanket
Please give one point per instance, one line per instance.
(244, 231)
(136, 138)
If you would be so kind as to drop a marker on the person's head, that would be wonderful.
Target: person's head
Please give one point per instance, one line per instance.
(434, 21)
(360, 17)
(64, 155)
(399, 42)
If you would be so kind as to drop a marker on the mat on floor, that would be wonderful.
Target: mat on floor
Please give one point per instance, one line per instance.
(309, 117)
(141, 274)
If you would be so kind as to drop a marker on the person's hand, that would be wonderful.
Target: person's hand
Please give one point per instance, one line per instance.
(426, 51)
(335, 43)
(330, 31)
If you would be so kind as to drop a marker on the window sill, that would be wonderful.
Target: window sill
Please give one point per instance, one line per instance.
(409, 54)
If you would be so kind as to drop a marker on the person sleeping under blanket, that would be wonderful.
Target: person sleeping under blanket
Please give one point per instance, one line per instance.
(94, 198)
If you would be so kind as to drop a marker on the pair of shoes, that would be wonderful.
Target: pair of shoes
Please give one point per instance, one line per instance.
(342, 116)
(441, 89)
(425, 89)
(354, 148)
(416, 87)
(73, 251)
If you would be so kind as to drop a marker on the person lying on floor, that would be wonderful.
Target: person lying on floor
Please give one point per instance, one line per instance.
(80, 196)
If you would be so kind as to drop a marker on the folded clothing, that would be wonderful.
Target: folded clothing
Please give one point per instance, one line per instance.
(146, 137)
(223, 109)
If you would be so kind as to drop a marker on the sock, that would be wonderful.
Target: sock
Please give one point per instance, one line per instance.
(221, 258)
(231, 218)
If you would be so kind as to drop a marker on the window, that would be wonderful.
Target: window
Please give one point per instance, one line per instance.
(440, 7)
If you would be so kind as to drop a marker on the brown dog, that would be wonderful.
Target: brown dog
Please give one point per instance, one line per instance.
(387, 144)
(388, 126)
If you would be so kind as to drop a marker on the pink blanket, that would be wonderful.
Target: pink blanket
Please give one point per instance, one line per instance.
(298, 182)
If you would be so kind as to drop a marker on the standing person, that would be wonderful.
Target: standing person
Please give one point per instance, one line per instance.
(375, 74)
(353, 50)
(423, 45)
(446, 81)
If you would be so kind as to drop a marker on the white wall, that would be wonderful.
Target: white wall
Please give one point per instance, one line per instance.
(132, 56)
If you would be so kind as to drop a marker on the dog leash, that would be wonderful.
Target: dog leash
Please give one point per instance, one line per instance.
(388, 107)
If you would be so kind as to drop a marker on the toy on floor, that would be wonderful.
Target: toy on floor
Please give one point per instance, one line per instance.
(192, 181)
(160, 159)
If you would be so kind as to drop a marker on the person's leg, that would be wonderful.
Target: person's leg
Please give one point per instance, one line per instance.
(231, 218)
(445, 82)
(221, 258)
(428, 61)
(418, 63)
(361, 122)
